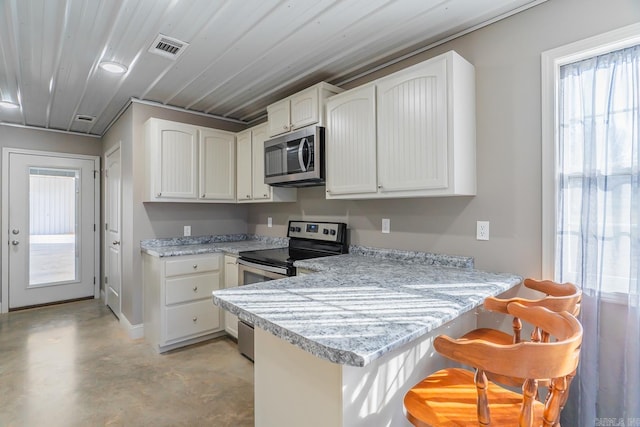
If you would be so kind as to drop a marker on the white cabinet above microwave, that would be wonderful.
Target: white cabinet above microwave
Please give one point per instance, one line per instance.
(300, 110)
(409, 134)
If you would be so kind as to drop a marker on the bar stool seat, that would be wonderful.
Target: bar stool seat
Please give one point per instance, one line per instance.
(459, 397)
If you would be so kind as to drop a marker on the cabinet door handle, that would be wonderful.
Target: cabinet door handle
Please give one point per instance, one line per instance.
(158, 194)
(204, 195)
(266, 196)
(195, 289)
(195, 266)
(285, 127)
(248, 196)
(195, 319)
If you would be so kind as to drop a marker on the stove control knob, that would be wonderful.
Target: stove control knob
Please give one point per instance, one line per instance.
(298, 229)
(333, 232)
(325, 231)
(292, 229)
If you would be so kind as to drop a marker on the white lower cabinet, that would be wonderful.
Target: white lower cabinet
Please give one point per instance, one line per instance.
(178, 309)
(230, 281)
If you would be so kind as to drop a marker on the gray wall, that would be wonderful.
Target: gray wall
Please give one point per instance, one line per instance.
(42, 140)
(153, 220)
(506, 56)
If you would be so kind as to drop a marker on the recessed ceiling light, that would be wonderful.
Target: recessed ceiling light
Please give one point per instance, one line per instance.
(9, 104)
(113, 67)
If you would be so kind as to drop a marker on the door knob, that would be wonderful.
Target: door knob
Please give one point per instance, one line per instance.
(15, 242)
(115, 242)
(15, 231)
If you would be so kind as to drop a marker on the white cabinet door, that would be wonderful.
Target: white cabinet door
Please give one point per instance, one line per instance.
(412, 128)
(261, 191)
(351, 142)
(304, 108)
(174, 157)
(230, 281)
(244, 165)
(279, 117)
(217, 165)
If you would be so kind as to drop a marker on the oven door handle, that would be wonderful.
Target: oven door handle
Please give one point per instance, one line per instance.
(282, 271)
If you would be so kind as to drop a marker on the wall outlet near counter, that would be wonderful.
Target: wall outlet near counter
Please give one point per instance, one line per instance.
(482, 230)
(386, 225)
(187, 231)
(269, 222)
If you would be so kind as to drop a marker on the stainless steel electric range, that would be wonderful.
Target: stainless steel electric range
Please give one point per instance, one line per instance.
(307, 239)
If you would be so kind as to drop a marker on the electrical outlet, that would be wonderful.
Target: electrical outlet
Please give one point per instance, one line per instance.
(386, 225)
(187, 231)
(269, 222)
(482, 230)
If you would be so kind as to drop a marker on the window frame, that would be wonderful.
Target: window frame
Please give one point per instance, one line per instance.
(551, 61)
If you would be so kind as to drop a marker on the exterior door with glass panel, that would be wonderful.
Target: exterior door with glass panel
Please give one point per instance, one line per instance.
(51, 213)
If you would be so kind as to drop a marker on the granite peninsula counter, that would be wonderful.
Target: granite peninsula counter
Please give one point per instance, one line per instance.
(340, 347)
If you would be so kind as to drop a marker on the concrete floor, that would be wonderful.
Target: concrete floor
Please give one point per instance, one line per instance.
(73, 365)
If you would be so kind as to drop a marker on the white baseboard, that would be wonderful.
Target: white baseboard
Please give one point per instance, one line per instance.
(135, 331)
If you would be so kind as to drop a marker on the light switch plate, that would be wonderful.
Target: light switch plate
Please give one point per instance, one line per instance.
(386, 225)
(269, 222)
(187, 230)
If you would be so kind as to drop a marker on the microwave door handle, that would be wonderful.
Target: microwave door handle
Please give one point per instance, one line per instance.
(303, 141)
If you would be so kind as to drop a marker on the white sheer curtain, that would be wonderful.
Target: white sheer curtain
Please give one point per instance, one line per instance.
(598, 231)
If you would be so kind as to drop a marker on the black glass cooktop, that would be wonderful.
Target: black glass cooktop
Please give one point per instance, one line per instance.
(280, 256)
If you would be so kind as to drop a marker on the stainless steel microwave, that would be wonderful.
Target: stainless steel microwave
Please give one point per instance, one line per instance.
(295, 159)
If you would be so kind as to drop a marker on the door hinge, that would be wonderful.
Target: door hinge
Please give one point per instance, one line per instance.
(94, 227)
(94, 280)
(95, 173)
(106, 280)
(105, 226)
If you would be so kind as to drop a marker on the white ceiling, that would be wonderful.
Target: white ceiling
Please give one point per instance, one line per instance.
(242, 54)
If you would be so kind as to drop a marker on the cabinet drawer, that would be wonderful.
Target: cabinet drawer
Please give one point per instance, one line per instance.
(193, 265)
(185, 320)
(191, 288)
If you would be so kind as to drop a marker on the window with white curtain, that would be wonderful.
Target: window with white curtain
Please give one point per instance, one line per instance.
(597, 167)
(591, 214)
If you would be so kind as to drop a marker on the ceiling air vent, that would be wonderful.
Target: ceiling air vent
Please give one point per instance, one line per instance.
(168, 47)
(85, 118)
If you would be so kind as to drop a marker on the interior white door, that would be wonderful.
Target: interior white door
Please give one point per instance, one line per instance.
(113, 215)
(51, 212)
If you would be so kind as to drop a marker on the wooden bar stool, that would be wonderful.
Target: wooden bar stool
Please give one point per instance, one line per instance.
(559, 297)
(458, 397)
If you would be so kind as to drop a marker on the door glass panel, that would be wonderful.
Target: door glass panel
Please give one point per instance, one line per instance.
(53, 225)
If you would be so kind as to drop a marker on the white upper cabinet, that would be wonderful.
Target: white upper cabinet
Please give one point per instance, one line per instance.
(260, 189)
(244, 166)
(279, 117)
(302, 109)
(351, 153)
(410, 134)
(217, 165)
(250, 168)
(173, 160)
(187, 163)
(412, 129)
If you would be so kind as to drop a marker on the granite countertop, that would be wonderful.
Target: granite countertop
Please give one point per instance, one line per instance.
(361, 305)
(228, 243)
